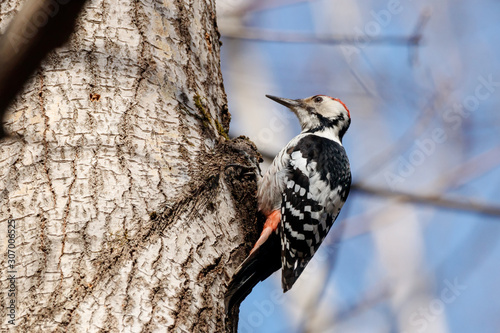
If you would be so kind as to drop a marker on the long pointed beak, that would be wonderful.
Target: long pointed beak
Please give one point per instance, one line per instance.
(289, 103)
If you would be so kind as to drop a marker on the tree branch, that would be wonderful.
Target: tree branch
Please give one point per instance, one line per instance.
(264, 35)
(39, 27)
(430, 199)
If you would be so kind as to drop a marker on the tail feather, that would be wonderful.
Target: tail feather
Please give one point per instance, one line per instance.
(257, 267)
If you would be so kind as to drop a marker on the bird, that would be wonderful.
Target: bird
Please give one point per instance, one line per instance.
(300, 196)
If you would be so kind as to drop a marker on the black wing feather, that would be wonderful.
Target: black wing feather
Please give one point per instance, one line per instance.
(318, 163)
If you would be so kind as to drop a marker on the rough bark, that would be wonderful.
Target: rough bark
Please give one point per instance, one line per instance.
(37, 29)
(129, 198)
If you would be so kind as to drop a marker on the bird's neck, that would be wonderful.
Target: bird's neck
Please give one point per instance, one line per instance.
(332, 133)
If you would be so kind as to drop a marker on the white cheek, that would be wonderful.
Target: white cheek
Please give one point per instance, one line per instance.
(333, 109)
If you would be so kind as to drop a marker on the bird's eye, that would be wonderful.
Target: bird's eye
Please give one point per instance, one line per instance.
(318, 99)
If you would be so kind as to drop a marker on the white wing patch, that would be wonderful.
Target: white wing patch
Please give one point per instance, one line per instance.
(311, 200)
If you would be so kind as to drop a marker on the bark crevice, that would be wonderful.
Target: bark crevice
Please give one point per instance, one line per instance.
(133, 206)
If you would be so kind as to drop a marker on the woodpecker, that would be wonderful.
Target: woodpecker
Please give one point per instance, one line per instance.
(300, 196)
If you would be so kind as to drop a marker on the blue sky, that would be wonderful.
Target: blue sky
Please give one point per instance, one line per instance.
(395, 263)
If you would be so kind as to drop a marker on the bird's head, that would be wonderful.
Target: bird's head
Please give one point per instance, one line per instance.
(319, 113)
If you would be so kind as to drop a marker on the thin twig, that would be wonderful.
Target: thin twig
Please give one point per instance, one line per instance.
(417, 33)
(263, 5)
(264, 35)
(430, 199)
(474, 168)
(407, 139)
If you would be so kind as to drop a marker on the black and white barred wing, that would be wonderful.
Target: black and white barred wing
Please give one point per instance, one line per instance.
(317, 184)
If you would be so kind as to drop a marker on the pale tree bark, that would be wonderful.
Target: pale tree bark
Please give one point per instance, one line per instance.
(132, 207)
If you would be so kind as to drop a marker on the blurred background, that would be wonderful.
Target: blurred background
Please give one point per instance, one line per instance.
(415, 248)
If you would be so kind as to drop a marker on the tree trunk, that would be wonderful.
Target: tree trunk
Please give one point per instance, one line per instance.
(130, 203)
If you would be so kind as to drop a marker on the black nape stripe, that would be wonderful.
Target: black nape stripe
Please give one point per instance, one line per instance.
(325, 123)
